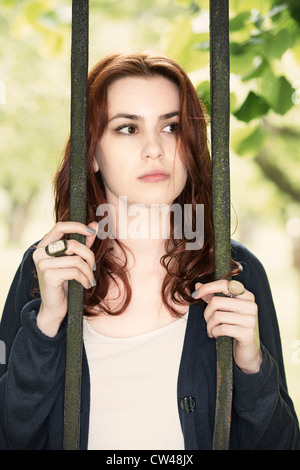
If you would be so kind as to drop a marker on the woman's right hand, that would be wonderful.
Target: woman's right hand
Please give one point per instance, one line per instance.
(55, 272)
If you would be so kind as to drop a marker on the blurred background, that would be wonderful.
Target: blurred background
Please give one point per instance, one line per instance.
(265, 122)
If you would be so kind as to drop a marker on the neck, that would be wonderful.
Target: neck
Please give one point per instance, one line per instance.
(143, 230)
(143, 255)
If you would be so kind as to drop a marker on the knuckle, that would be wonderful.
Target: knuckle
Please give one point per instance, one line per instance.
(253, 323)
(41, 264)
(59, 225)
(76, 272)
(224, 330)
(218, 316)
(214, 302)
(254, 310)
(37, 253)
(35, 257)
(47, 275)
(78, 261)
(71, 244)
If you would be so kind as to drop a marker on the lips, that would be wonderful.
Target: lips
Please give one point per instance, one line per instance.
(154, 175)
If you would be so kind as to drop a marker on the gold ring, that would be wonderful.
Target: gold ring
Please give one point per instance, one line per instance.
(57, 248)
(235, 288)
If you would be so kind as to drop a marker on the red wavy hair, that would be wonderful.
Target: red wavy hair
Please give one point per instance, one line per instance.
(183, 266)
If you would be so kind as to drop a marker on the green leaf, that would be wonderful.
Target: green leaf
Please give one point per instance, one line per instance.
(277, 91)
(179, 42)
(294, 7)
(242, 64)
(253, 107)
(203, 91)
(277, 44)
(238, 22)
(260, 66)
(245, 143)
(284, 100)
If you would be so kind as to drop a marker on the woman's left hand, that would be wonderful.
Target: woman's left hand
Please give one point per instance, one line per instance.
(235, 317)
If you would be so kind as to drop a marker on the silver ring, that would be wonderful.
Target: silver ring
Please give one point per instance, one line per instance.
(235, 288)
(57, 248)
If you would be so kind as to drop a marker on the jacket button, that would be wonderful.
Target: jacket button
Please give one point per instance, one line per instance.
(188, 404)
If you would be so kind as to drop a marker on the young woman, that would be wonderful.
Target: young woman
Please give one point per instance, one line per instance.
(150, 315)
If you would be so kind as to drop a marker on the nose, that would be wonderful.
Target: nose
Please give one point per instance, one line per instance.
(152, 147)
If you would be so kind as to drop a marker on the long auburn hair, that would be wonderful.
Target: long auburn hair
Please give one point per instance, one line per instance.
(182, 266)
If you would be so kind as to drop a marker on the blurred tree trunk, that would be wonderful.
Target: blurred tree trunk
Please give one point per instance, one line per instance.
(18, 218)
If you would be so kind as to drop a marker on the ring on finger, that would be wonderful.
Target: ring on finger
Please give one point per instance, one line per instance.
(235, 288)
(57, 248)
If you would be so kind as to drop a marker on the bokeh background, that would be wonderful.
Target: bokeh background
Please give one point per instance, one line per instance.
(265, 122)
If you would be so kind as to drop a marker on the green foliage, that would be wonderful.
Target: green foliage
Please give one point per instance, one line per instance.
(34, 114)
(253, 107)
(264, 49)
(250, 140)
(35, 64)
(203, 90)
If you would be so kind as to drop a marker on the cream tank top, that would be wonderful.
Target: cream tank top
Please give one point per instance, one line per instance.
(134, 389)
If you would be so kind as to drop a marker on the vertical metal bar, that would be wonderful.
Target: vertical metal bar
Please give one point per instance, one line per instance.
(220, 118)
(79, 73)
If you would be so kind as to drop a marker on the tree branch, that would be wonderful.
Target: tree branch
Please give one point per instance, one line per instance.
(277, 176)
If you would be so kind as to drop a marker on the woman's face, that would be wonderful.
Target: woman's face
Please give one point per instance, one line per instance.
(137, 154)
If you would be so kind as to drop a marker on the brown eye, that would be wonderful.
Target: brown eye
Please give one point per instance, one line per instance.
(171, 128)
(131, 129)
(127, 129)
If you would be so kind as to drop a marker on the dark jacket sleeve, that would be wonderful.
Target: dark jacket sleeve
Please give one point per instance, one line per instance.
(264, 414)
(31, 381)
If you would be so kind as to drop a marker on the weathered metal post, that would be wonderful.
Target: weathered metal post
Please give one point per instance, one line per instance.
(79, 74)
(220, 119)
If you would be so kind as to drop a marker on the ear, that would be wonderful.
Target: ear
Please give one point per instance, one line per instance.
(95, 165)
(96, 159)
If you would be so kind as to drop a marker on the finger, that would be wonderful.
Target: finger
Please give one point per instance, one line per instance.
(63, 228)
(210, 289)
(73, 248)
(59, 276)
(229, 304)
(77, 248)
(91, 238)
(54, 267)
(246, 321)
(233, 331)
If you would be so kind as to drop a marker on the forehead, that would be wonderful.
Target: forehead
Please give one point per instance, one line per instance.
(139, 95)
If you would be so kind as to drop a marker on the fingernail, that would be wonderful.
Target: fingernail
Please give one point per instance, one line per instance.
(90, 230)
(94, 267)
(89, 286)
(195, 293)
(94, 282)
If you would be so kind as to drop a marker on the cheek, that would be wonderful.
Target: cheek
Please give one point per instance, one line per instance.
(180, 176)
(114, 170)
(105, 164)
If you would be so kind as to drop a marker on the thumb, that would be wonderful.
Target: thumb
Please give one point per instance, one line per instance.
(91, 238)
(196, 291)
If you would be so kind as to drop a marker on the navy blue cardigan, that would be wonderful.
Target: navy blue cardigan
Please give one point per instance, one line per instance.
(32, 380)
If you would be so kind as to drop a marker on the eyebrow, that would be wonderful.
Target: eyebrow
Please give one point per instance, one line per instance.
(136, 117)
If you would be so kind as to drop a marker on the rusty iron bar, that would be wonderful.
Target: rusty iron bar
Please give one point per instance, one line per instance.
(220, 121)
(221, 215)
(79, 74)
